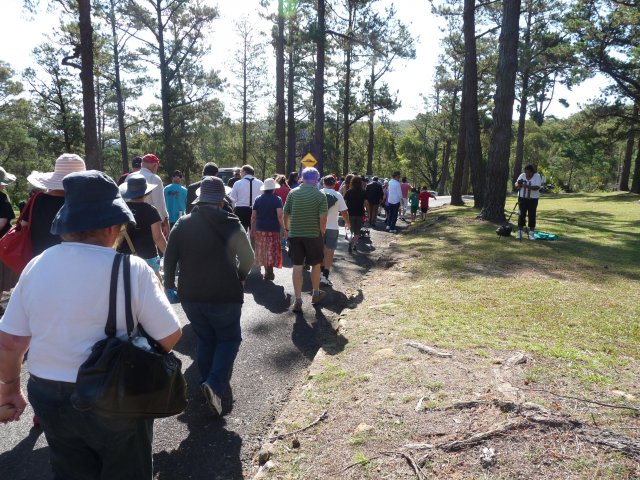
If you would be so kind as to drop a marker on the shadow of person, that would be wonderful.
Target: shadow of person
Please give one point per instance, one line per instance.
(327, 336)
(210, 450)
(22, 461)
(269, 295)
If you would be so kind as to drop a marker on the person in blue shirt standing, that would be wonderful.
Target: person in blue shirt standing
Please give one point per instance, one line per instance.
(175, 197)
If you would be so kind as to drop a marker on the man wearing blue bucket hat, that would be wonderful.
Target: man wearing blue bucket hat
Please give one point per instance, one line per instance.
(58, 311)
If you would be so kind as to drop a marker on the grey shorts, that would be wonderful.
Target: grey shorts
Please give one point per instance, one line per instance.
(331, 239)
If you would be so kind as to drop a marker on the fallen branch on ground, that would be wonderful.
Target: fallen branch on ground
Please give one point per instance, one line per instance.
(584, 400)
(420, 475)
(322, 417)
(427, 349)
(477, 438)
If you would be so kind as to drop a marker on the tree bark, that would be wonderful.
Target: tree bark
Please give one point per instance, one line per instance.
(473, 147)
(318, 89)
(245, 105)
(635, 185)
(291, 112)
(458, 172)
(165, 92)
(280, 105)
(124, 151)
(466, 178)
(445, 168)
(371, 139)
(91, 147)
(346, 109)
(502, 132)
(631, 138)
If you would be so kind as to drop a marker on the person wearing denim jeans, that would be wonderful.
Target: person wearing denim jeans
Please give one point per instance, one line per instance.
(394, 197)
(217, 328)
(215, 257)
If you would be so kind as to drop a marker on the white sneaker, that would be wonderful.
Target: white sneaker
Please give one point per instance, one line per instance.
(325, 281)
(531, 235)
(519, 235)
(213, 400)
(387, 228)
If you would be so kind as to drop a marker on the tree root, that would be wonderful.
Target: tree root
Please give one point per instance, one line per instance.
(427, 349)
(420, 475)
(533, 416)
(322, 417)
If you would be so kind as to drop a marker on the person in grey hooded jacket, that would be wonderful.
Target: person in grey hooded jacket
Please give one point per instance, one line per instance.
(215, 257)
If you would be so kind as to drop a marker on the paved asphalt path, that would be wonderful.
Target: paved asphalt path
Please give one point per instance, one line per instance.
(278, 347)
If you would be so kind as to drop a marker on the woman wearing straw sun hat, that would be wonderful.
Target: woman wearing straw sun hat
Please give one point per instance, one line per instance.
(46, 205)
(266, 225)
(8, 278)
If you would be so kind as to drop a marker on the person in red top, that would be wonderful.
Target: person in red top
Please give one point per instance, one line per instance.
(424, 202)
(405, 188)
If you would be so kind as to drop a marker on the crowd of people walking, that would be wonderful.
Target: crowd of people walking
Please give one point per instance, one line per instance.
(195, 245)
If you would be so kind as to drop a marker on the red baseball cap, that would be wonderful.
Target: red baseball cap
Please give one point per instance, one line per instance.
(150, 158)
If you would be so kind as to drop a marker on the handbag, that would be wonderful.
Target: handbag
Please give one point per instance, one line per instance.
(130, 378)
(15, 246)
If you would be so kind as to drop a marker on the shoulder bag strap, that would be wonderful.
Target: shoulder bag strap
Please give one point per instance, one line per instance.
(110, 328)
(28, 209)
(126, 273)
(129, 242)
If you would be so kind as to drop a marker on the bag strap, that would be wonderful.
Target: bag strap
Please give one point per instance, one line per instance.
(110, 328)
(28, 209)
(129, 243)
(126, 273)
(250, 191)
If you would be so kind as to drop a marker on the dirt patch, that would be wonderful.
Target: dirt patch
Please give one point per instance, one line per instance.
(394, 411)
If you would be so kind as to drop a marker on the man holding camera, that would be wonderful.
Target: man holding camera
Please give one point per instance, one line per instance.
(528, 186)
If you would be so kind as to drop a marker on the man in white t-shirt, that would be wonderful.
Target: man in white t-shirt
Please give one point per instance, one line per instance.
(528, 186)
(150, 164)
(59, 311)
(336, 208)
(394, 198)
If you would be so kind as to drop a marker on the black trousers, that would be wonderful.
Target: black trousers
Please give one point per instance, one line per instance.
(528, 207)
(244, 214)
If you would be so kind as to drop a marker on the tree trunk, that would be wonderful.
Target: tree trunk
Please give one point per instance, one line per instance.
(473, 146)
(635, 185)
(318, 89)
(446, 155)
(466, 178)
(631, 138)
(124, 150)
(371, 139)
(280, 105)
(91, 147)
(345, 112)
(291, 114)
(458, 172)
(165, 93)
(524, 97)
(502, 133)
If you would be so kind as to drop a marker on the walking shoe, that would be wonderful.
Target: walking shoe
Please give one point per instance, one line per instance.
(531, 235)
(325, 281)
(519, 235)
(388, 228)
(393, 231)
(319, 297)
(213, 400)
(297, 307)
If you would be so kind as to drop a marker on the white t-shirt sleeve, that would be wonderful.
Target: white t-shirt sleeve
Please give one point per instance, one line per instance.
(153, 310)
(15, 320)
(233, 194)
(342, 205)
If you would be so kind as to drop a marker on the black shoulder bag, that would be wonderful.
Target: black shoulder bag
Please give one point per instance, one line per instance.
(129, 378)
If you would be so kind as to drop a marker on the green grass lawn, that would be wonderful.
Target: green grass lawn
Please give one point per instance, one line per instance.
(575, 300)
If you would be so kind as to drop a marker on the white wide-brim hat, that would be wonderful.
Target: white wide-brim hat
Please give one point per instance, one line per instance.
(65, 164)
(5, 177)
(269, 184)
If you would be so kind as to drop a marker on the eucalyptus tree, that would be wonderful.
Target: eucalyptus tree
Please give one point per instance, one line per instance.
(54, 91)
(249, 69)
(173, 36)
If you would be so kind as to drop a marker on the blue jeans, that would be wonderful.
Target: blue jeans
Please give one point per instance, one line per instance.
(217, 327)
(86, 446)
(393, 215)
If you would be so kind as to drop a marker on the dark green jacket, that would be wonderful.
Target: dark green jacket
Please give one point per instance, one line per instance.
(214, 254)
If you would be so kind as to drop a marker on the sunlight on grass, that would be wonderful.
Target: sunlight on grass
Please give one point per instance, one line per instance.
(576, 299)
